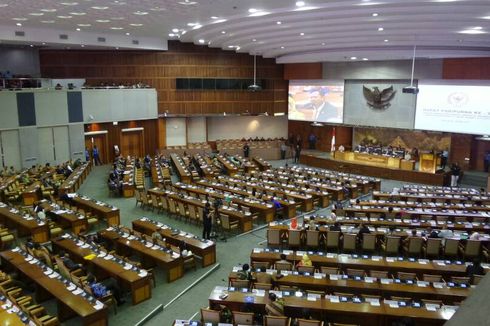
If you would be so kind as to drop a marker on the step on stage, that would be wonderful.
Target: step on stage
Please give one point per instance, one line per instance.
(437, 179)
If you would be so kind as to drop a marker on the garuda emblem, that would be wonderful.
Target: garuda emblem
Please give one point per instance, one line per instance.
(378, 100)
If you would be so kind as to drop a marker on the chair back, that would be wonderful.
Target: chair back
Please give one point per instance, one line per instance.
(273, 237)
(406, 276)
(369, 242)
(477, 279)
(181, 208)
(62, 268)
(306, 269)
(171, 206)
(283, 266)
(240, 284)
(451, 247)
(294, 238)
(225, 221)
(392, 245)
(164, 203)
(312, 238)
(210, 316)
(415, 245)
(243, 318)
(432, 278)
(379, 274)
(260, 264)
(433, 247)
(154, 199)
(333, 238)
(276, 321)
(355, 272)
(349, 243)
(309, 322)
(329, 270)
(472, 248)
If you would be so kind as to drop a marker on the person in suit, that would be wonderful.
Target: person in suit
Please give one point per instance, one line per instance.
(246, 150)
(324, 111)
(95, 154)
(207, 221)
(475, 268)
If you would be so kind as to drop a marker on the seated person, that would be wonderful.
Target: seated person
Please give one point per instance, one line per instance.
(305, 261)
(445, 232)
(475, 268)
(475, 236)
(413, 235)
(245, 273)
(335, 227)
(65, 258)
(362, 229)
(107, 286)
(283, 259)
(430, 233)
(275, 306)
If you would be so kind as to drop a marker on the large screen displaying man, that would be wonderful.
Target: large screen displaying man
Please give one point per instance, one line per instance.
(453, 106)
(316, 101)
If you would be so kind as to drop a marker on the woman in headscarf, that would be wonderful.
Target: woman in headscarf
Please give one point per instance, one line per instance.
(305, 261)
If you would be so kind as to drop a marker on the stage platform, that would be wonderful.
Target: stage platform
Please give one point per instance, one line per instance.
(320, 161)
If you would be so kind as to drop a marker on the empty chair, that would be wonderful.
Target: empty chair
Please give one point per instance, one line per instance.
(156, 202)
(276, 321)
(471, 249)
(379, 274)
(262, 286)
(369, 242)
(182, 210)
(451, 247)
(309, 322)
(306, 269)
(210, 316)
(260, 264)
(460, 279)
(243, 318)
(349, 242)
(432, 302)
(414, 246)
(432, 247)
(391, 246)
(227, 224)
(240, 284)
(333, 238)
(312, 239)
(294, 238)
(406, 276)
(274, 238)
(355, 272)
(329, 270)
(283, 266)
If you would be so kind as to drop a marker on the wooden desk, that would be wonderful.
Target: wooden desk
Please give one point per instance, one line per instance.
(351, 261)
(231, 169)
(180, 168)
(262, 164)
(65, 217)
(76, 178)
(68, 304)
(348, 312)
(138, 285)
(205, 249)
(110, 213)
(173, 265)
(12, 219)
(31, 194)
(129, 178)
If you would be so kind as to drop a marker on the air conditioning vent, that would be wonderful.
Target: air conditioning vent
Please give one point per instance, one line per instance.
(20, 33)
(101, 39)
(63, 37)
(136, 42)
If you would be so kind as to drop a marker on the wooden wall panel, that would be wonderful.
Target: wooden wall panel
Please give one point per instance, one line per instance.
(343, 135)
(461, 149)
(160, 69)
(303, 71)
(466, 68)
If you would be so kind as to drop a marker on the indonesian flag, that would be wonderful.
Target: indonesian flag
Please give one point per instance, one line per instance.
(332, 148)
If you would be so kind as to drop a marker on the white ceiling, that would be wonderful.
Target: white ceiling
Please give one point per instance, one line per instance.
(334, 30)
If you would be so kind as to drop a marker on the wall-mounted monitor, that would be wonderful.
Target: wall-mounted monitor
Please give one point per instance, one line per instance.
(454, 106)
(316, 100)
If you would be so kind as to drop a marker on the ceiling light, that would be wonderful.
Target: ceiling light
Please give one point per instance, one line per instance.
(140, 13)
(136, 25)
(157, 9)
(197, 27)
(386, 41)
(282, 47)
(219, 21)
(305, 8)
(478, 28)
(31, 45)
(99, 8)
(78, 29)
(117, 48)
(192, 24)
(202, 41)
(44, 43)
(117, 28)
(472, 31)
(175, 30)
(48, 10)
(254, 40)
(301, 33)
(69, 3)
(252, 10)
(187, 3)
(323, 43)
(78, 13)
(128, 34)
(353, 58)
(278, 23)
(82, 45)
(300, 3)
(375, 14)
(259, 13)
(223, 32)
(2, 5)
(171, 34)
(103, 21)
(36, 14)
(183, 32)
(21, 19)
(18, 24)
(84, 25)
(214, 17)
(486, 17)
(380, 29)
(47, 21)
(365, 59)
(65, 17)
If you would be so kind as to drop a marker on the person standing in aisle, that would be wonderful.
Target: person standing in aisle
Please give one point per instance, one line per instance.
(95, 153)
(297, 153)
(455, 172)
(246, 150)
(207, 222)
(284, 148)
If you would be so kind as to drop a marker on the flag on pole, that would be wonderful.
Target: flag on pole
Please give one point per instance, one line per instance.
(332, 148)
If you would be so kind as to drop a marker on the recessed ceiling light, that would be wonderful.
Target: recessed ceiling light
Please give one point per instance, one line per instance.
(69, 3)
(380, 29)
(157, 9)
(187, 3)
(18, 24)
(117, 48)
(202, 41)
(100, 8)
(254, 40)
(103, 21)
(223, 32)
(278, 23)
(323, 43)
(375, 14)
(78, 29)
(21, 19)
(175, 30)
(214, 17)
(78, 13)
(252, 10)
(171, 34)
(365, 59)
(48, 10)
(128, 34)
(84, 25)
(2, 5)
(31, 45)
(44, 43)
(478, 28)
(192, 24)
(282, 47)
(65, 17)
(486, 17)
(219, 21)
(36, 14)
(197, 27)
(472, 31)
(353, 58)
(47, 21)
(140, 13)
(259, 13)
(117, 28)
(301, 33)
(136, 25)
(300, 3)
(386, 41)
(82, 45)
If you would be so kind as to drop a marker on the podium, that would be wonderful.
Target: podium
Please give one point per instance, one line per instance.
(428, 163)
